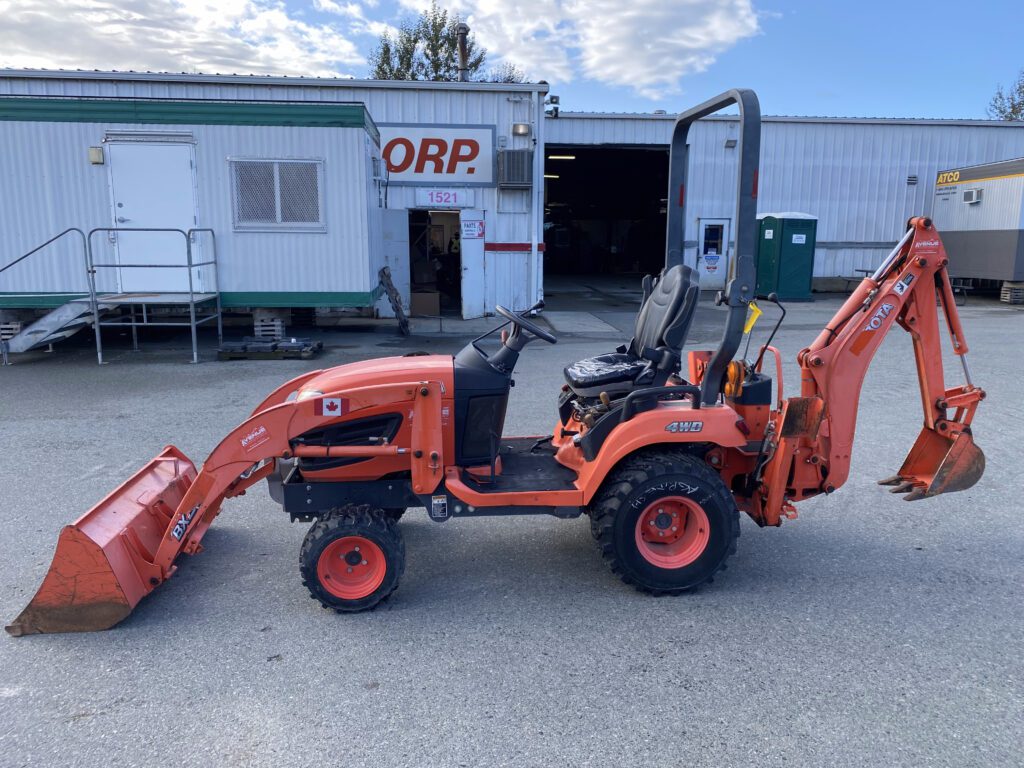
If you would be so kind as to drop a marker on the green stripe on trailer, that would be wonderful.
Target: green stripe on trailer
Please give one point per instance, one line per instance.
(167, 112)
(38, 300)
(230, 299)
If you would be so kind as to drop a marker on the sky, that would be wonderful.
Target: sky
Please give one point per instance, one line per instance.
(804, 57)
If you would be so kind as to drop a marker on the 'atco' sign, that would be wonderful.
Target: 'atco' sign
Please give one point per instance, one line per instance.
(449, 154)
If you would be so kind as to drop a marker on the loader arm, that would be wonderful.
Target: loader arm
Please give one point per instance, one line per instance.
(246, 455)
(815, 431)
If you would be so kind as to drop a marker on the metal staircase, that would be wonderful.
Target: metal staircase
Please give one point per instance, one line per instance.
(88, 311)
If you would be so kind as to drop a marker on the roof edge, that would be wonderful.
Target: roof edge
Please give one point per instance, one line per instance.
(308, 82)
(799, 119)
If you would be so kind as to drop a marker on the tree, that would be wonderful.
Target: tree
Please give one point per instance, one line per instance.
(505, 73)
(428, 49)
(1009, 104)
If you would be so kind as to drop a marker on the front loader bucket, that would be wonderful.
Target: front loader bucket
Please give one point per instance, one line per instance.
(103, 565)
(938, 464)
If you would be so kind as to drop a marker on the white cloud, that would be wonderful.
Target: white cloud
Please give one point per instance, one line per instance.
(646, 45)
(250, 36)
(358, 21)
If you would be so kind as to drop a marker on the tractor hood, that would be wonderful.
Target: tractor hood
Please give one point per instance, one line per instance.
(386, 370)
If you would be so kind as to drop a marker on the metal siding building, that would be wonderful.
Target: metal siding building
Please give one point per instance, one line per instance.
(513, 264)
(853, 174)
(51, 185)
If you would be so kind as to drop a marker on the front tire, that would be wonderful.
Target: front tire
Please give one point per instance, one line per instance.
(352, 560)
(665, 522)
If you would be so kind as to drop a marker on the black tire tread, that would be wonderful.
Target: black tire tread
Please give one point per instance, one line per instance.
(637, 470)
(361, 517)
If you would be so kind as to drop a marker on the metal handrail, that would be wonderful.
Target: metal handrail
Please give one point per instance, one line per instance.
(51, 240)
(91, 267)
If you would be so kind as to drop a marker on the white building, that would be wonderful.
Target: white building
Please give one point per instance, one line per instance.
(465, 151)
(529, 195)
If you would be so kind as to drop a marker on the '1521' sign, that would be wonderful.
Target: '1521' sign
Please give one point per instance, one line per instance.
(436, 197)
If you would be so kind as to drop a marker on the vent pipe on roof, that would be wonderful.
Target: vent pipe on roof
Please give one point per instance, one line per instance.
(463, 31)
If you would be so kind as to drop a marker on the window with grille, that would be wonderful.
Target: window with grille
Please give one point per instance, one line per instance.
(278, 194)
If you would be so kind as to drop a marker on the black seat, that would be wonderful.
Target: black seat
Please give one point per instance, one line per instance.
(654, 352)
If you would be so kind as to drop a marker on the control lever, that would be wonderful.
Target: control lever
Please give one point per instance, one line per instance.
(774, 299)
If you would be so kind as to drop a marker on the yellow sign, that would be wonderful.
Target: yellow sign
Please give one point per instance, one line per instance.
(753, 313)
(948, 177)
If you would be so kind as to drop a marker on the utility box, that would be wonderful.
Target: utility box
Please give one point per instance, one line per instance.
(785, 255)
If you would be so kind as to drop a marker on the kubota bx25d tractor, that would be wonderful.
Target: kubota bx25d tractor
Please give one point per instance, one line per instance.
(661, 449)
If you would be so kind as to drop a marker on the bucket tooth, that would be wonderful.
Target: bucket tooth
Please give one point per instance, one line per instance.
(894, 480)
(903, 487)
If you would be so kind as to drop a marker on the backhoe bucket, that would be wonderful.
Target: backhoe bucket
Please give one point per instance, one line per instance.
(938, 464)
(103, 565)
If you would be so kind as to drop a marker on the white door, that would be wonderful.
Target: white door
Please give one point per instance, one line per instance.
(471, 226)
(395, 226)
(713, 253)
(152, 187)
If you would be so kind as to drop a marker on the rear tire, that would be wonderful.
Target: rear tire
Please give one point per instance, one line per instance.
(353, 560)
(665, 522)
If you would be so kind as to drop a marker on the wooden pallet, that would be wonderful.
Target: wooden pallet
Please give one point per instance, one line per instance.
(8, 330)
(1012, 293)
(268, 328)
(261, 349)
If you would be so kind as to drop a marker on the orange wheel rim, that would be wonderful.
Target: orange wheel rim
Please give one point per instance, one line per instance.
(351, 567)
(672, 532)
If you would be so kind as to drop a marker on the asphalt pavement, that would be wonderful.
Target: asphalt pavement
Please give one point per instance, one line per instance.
(870, 631)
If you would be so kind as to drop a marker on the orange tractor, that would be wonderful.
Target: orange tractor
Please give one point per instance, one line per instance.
(662, 450)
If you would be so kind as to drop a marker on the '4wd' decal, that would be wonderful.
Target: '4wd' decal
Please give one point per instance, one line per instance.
(684, 426)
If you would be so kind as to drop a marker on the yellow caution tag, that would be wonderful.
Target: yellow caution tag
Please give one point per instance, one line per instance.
(753, 313)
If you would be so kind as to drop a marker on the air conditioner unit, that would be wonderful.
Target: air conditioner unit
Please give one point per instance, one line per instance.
(972, 196)
(515, 168)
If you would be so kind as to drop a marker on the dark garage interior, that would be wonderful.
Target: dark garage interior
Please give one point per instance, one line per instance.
(604, 210)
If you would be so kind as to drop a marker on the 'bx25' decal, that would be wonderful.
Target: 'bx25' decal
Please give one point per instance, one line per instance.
(183, 522)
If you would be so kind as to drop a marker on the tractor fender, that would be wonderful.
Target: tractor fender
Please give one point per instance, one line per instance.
(670, 425)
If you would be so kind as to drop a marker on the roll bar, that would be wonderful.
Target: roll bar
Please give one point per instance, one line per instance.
(740, 289)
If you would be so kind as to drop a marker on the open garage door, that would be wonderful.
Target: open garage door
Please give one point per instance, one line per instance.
(604, 210)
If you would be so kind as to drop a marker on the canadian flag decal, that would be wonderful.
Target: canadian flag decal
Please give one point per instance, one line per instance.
(331, 406)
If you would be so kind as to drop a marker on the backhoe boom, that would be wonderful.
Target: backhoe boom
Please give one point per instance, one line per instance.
(816, 430)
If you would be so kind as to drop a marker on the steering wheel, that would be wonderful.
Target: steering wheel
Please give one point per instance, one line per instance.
(526, 325)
